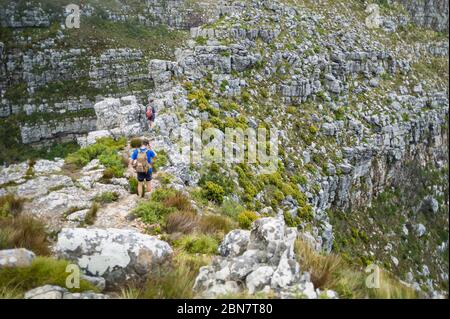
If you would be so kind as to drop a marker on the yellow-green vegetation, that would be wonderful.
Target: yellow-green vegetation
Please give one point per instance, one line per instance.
(133, 184)
(106, 151)
(332, 272)
(43, 271)
(213, 192)
(198, 244)
(246, 218)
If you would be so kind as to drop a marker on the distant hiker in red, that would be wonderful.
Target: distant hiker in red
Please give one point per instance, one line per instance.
(151, 115)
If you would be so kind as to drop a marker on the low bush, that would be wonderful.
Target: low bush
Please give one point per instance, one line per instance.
(198, 244)
(213, 192)
(161, 160)
(231, 208)
(162, 202)
(246, 218)
(106, 150)
(321, 267)
(152, 212)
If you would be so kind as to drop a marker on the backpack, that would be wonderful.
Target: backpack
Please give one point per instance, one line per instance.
(149, 113)
(142, 165)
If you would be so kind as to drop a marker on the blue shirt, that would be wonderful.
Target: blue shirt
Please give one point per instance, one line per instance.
(150, 156)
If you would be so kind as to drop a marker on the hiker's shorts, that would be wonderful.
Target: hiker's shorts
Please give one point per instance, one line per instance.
(144, 176)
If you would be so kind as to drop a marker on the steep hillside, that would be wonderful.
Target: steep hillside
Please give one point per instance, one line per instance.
(356, 94)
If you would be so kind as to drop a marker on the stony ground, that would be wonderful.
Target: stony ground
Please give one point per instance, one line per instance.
(355, 109)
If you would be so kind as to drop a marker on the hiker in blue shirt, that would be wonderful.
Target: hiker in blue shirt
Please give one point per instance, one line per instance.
(143, 159)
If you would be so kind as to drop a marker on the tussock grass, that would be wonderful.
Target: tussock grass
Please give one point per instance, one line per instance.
(181, 222)
(10, 205)
(24, 232)
(173, 283)
(43, 271)
(332, 272)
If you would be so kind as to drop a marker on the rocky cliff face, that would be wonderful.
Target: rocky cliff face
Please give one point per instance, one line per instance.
(353, 105)
(430, 13)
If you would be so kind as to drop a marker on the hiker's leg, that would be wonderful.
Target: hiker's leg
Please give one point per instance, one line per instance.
(140, 188)
(149, 186)
(149, 182)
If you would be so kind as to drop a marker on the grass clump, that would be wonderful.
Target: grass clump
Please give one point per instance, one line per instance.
(43, 271)
(214, 224)
(332, 272)
(91, 214)
(184, 222)
(133, 184)
(198, 244)
(246, 218)
(176, 282)
(21, 231)
(10, 205)
(106, 197)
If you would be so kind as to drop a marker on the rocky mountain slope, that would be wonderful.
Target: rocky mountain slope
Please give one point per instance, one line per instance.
(362, 118)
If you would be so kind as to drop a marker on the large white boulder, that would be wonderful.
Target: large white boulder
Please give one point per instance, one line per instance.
(115, 254)
(20, 257)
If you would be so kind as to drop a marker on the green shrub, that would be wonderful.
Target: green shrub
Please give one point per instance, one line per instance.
(246, 218)
(152, 212)
(43, 271)
(161, 160)
(162, 202)
(178, 201)
(24, 232)
(201, 40)
(106, 150)
(245, 96)
(165, 178)
(213, 192)
(198, 244)
(231, 208)
(133, 184)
